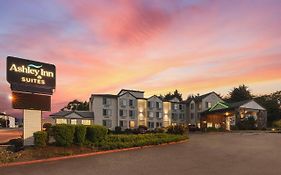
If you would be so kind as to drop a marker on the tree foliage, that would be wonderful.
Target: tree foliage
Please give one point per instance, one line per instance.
(77, 105)
(239, 94)
(170, 96)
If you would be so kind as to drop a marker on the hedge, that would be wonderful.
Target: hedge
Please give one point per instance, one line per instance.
(40, 138)
(64, 134)
(80, 134)
(177, 129)
(126, 141)
(96, 133)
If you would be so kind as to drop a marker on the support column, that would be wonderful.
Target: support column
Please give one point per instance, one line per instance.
(31, 124)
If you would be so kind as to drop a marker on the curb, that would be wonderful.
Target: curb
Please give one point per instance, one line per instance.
(85, 155)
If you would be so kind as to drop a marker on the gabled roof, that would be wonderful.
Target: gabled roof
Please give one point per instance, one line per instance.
(154, 96)
(106, 95)
(201, 97)
(129, 90)
(83, 114)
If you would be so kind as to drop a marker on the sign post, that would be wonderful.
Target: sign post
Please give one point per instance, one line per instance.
(32, 84)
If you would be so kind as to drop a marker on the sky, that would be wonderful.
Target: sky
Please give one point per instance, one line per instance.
(195, 46)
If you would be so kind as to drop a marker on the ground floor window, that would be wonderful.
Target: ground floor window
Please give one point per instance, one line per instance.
(209, 125)
(86, 122)
(73, 121)
(123, 123)
(107, 123)
(150, 124)
(61, 121)
(132, 124)
(159, 124)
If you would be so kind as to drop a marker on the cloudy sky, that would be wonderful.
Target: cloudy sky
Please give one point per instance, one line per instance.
(157, 46)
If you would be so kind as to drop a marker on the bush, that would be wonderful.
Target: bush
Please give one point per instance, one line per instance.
(118, 130)
(276, 124)
(40, 138)
(80, 134)
(142, 129)
(177, 129)
(64, 134)
(249, 123)
(126, 141)
(159, 130)
(17, 144)
(96, 133)
(47, 126)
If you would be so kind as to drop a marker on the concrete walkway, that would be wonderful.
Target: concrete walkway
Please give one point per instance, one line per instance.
(212, 154)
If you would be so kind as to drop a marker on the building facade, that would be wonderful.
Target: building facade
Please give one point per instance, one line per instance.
(129, 109)
(196, 105)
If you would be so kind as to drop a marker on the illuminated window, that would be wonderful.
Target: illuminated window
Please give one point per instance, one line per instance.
(86, 122)
(209, 125)
(132, 124)
(61, 121)
(73, 121)
(217, 125)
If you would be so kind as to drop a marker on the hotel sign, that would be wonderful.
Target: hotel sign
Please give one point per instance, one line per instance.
(31, 76)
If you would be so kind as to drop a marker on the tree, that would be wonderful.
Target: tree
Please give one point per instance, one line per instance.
(239, 94)
(170, 95)
(77, 105)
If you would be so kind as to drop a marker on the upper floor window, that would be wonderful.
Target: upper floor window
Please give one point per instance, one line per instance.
(199, 106)
(150, 114)
(106, 112)
(208, 104)
(176, 106)
(131, 113)
(150, 104)
(106, 101)
(159, 114)
(122, 113)
(158, 105)
(192, 116)
(131, 103)
(107, 123)
(192, 106)
(123, 102)
(181, 106)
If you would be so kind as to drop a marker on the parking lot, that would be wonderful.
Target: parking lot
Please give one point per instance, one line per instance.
(8, 134)
(212, 153)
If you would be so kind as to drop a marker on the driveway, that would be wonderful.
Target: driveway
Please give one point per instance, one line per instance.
(212, 154)
(8, 134)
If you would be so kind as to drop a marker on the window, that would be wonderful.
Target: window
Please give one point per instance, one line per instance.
(122, 113)
(176, 106)
(131, 113)
(106, 112)
(158, 105)
(181, 107)
(150, 114)
(199, 106)
(192, 106)
(86, 122)
(73, 121)
(150, 104)
(150, 124)
(158, 124)
(208, 104)
(181, 116)
(131, 103)
(158, 114)
(61, 121)
(123, 102)
(122, 123)
(132, 124)
(174, 116)
(209, 125)
(104, 101)
(107, 123)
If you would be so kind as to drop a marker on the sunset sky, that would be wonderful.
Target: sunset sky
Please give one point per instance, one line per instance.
(195, 46)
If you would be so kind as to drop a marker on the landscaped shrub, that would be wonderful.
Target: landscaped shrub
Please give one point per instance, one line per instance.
(159, 130)
(40, 138)
(142, 129)
(126, 141)
(17, 144)
(177, 129)
(118, 130)
(276, 124)
(80, 134)
(249, 123)
(96, 133)
(47, 126)
(64, 134)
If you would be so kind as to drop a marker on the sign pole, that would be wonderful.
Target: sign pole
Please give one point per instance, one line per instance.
(31, 123)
